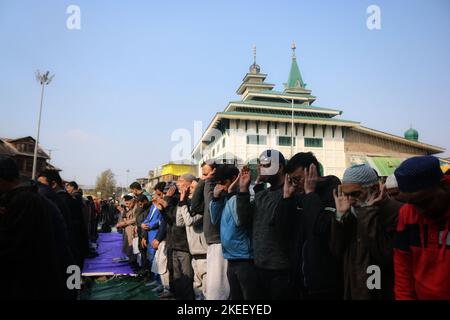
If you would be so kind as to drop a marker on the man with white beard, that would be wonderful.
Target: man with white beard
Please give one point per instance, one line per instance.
(362, 234)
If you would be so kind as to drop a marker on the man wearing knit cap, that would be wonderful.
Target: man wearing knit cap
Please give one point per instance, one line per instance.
(362, 234)
(421, 255)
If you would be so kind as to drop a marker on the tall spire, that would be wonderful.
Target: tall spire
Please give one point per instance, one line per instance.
(293, 47)
(254, 79)
(254, 68)
(295, 80)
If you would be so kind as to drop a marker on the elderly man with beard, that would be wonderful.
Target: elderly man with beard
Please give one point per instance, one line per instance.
(421, 256)
(128, 224)
(363, 231)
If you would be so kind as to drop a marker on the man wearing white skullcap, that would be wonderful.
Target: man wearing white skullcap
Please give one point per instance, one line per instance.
(392, 187)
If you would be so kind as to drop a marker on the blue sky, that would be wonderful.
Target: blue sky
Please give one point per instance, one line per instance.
(138, 70)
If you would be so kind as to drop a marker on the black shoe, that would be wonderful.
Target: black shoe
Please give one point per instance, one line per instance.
(142, 273)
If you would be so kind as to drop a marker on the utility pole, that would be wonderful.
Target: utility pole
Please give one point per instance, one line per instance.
(292, 129)
(43, 79)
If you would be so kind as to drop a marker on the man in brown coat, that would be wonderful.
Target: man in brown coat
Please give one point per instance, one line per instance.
(362, 234)
(128, 223)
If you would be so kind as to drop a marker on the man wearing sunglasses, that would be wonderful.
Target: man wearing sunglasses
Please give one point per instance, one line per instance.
(362, 233)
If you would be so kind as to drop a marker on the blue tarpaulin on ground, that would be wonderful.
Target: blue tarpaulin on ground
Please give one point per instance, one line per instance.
(109, 250)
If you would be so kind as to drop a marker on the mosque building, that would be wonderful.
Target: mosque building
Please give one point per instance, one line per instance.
(290, 122)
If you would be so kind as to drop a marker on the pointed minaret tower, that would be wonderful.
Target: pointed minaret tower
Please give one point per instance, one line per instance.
(254, 80)
(295, 82)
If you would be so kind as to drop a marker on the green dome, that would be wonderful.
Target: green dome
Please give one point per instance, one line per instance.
(412, 134)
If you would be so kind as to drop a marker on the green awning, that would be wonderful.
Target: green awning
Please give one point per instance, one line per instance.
(385, 166)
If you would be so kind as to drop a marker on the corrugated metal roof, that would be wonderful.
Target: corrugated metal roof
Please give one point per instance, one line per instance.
(287, 118)
(283, 105)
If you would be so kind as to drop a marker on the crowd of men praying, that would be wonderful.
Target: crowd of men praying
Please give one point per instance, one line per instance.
(284, 232)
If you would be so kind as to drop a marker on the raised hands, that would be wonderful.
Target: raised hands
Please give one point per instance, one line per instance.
(245, 179)
(311, 177)
(218, 189)
(171, 191)
(184, 192)
(342, 202)
(375, 198)
(232, 186)
(288, 188)
(209, 175)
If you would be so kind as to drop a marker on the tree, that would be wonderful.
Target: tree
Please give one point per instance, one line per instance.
(106, 183)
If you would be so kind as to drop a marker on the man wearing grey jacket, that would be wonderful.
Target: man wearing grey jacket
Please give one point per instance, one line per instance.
(217, 282)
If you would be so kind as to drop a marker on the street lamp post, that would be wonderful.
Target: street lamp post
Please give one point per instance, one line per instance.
(43, 79)
(292, 124)
(292, 128)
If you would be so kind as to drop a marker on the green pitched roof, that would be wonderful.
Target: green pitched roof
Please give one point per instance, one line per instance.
(385, 166)
(295, 78)
(281, 93)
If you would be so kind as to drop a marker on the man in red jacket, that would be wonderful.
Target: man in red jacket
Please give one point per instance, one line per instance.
(422, 253)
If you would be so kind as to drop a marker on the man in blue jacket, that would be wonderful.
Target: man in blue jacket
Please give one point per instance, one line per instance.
(150, 226)
(235, 238)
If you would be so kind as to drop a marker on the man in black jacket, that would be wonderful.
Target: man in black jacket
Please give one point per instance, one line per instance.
(53, 179)
(308, 201)
(271, 233)
(83, 204)
(31, 260)
(183, 274)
